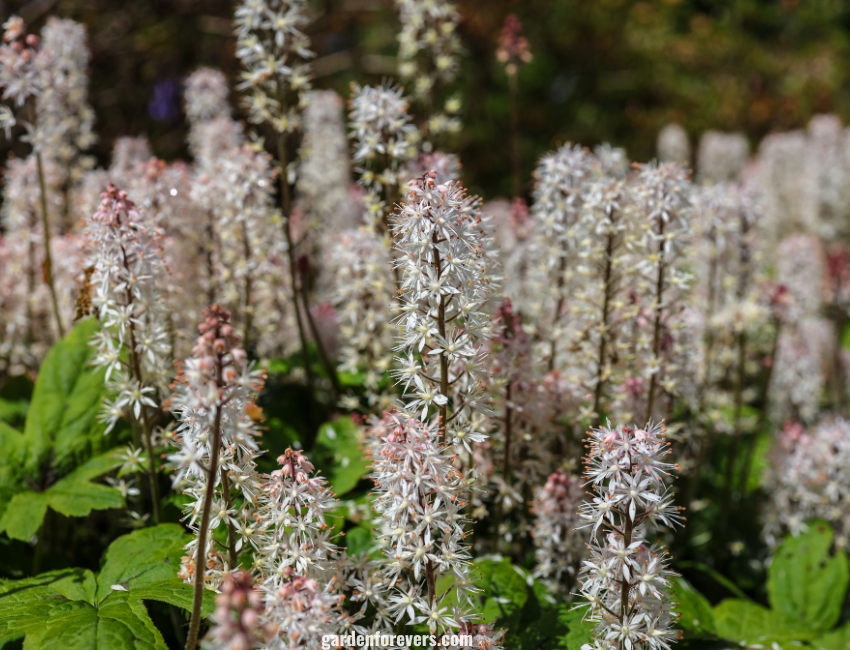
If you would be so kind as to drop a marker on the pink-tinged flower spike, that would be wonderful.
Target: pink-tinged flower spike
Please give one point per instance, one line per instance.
(625, 579)
(825, 198)
(664, 193)
(215, 461)
(807, 480)
(441, 248)
(303, 611)
(384, 142)
(559, 545)
(418, 498)
(236, 621)
(428, 56)
(125, 253)
(291, 522)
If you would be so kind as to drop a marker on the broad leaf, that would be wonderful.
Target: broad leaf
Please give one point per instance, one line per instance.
(696, 614)
(805, 581)
(142, 558)
(75, 610)
(580, 631)
(746, 622)
(836, 640)
(73, 496)
(340, 440)
(62, 417)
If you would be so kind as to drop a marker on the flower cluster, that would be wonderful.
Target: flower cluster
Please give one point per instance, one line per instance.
(439, 239)
(722, 156)
(807, 480)
(625, 579)
(428, 54)
(417, 497)
(273, 50)
(384, 141)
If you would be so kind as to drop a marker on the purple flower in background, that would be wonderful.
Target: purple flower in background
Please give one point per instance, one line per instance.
(164, 106)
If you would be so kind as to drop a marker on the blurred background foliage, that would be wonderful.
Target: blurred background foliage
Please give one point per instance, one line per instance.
(603, 70)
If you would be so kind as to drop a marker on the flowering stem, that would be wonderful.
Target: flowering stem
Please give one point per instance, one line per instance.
(556, 317)
(146, 425)
(513, 88)
(290, 251)
(320, 345)
(765, 397)
(231, 531)
(741, 340)
(656, 330)
(603, 336)
(201, 552)
(48, 260)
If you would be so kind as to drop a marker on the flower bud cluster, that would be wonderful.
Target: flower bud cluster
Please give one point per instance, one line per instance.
(216, 439)
(127, 278)
(625, 579)
(560, 545)
(236, 620)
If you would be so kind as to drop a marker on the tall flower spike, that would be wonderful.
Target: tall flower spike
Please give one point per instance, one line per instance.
(561, 183)
(664, 192)
(428, 53)
(626, 579)
(215, 461)
(440, 245)
(132, 343)
(721, 156)
(384, 141)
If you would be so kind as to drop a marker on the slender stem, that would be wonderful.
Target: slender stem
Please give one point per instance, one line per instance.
(48, 260)
(210, 246)
(741, 341)
(320, 345)
(765, 405)
(231, 531)
(293, 279)
(506, 468)
(656, 330)
(556, 317)
(201, 553)
(513, 88)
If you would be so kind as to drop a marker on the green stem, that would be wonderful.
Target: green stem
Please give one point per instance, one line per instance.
(48, 260)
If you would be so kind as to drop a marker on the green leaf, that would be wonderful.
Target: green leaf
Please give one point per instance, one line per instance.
(75, 610)
(73, 496)
(340, 440)
(805, 582)
(142, 558)
(580, 632)
(746, 622)
(696, 614)
(62, 417)
(505, 589)
(836, 640)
